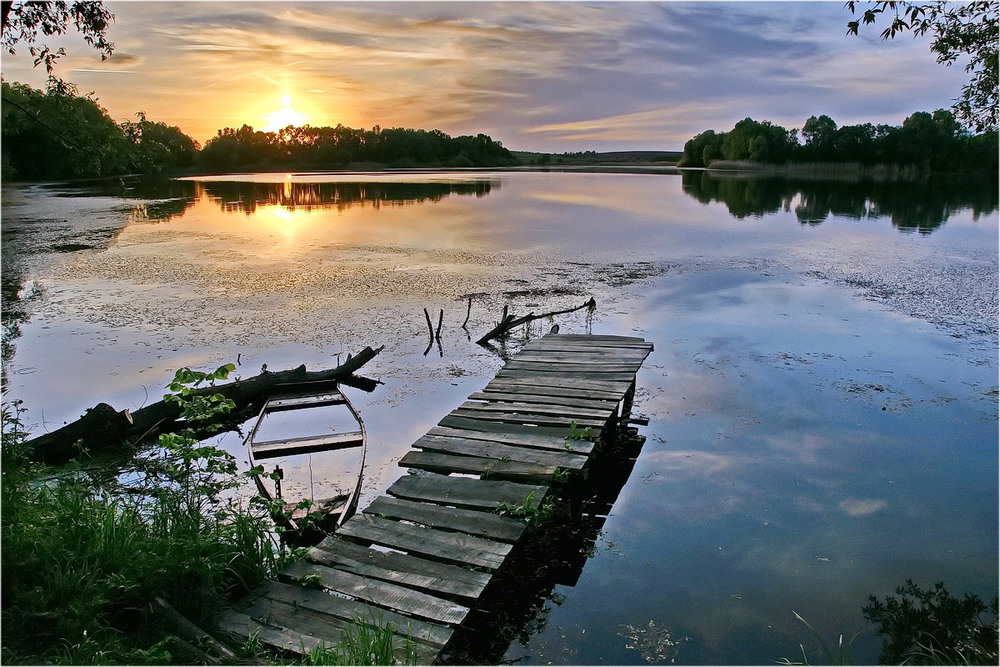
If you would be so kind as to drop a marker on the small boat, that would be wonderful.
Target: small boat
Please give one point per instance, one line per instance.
(313, 431)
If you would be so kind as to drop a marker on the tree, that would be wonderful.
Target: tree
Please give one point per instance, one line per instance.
(958, 29)
(23, 21)
(819, 135)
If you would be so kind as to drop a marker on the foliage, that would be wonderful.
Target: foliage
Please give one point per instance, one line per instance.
(324, 147)
(530, 510)
(925, 140)
(23, 21)
(366, 643)
(82, 559)
(932, 627)
(959, 29)
(58, 133)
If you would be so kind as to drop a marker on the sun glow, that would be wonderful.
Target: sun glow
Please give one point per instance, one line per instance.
(284, 116)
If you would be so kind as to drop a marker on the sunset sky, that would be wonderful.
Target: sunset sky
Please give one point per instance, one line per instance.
(550, 76)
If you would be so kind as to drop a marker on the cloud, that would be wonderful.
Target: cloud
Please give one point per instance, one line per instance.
(552, 76)
(861, 507)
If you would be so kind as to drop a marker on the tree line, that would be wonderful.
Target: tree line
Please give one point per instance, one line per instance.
(58, 133)
(927, 141)
(322, 147)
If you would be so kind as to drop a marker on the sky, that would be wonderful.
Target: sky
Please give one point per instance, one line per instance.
(544, 76)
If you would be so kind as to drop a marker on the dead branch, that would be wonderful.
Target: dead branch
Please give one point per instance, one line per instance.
(509, 322)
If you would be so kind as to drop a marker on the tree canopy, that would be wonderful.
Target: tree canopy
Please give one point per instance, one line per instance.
(927, 141)
(959, 29)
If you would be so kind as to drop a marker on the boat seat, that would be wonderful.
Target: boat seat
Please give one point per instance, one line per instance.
(312, 443)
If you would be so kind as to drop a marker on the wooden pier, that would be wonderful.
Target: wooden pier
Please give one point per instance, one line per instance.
(421, 556)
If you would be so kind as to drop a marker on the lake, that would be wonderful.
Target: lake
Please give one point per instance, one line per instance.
(822, 398)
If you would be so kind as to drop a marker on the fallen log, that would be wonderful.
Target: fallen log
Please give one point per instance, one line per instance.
(104, 427)
(509, 322)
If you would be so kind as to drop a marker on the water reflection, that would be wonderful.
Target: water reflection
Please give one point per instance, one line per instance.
(910, 206)
(247, 197)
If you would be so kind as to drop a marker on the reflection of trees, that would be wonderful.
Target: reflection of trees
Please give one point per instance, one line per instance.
(922, 206)
(246, 197)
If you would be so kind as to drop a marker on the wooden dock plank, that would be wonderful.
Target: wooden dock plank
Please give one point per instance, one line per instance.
(475, 465)
(379, 593)
(566, 379)
(349, 610)
(242, 625)
(464, 445)
(472, 522)
(513, 417)
(570, 411)
(327, 629)
(544, 399)
(404, 569)
(609, 385)
(569, 357)
(466, 492)
(445, 545)
(512, 434)
(587, 369)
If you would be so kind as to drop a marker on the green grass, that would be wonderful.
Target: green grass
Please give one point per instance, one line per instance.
(366, 644)
(81, 560)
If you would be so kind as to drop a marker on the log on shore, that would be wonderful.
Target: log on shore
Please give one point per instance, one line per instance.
(103, 426)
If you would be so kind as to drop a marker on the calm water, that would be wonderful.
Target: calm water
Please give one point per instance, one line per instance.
(822, 397)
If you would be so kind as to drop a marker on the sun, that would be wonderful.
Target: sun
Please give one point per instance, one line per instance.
(284, 116)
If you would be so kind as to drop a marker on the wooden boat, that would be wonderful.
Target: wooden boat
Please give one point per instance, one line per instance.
(305, 426)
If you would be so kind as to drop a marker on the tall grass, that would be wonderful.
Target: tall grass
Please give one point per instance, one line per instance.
(81, 561)
(366, 643)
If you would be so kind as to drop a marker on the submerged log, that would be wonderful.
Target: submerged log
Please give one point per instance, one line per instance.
(103, 426)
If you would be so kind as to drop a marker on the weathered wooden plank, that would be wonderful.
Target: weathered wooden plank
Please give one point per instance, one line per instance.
(326, 442)
(595, 337)
(586, 345)
(328, 629)
(475, 465)
(242, 625)
(615, 386)
(515, 417)
(473, 522)
(530, 387)
(594, 368)
(575, 357)
(564, 377)
(379, 593)
(496, 450)
(466, 492)
(445, 545)
(572, 412)
(544, 399)
(399, 568)
(349, 610)
(540, 437)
